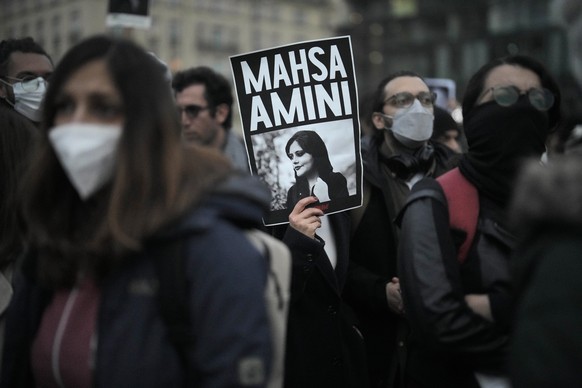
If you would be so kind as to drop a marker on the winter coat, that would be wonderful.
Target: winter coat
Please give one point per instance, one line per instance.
(373, 262)
(231, 342)
(449, 342)
(546, 346)
(324, 347)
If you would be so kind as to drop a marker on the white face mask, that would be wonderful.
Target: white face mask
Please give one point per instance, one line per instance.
(412, 126)
(87, 154)
(28, 103)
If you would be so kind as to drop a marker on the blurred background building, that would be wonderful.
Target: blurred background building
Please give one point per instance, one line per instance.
(183, 33)
(437, 38)
(453, 38)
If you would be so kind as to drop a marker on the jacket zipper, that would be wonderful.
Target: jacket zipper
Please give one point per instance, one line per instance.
(55, 362)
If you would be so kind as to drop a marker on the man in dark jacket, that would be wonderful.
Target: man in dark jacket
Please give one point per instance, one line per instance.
(395, 157)
(24, 69)
(204, 100)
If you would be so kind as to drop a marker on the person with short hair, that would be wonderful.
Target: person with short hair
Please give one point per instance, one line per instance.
(204, 100)
(25, 69)
(313, 170)
(395, 156)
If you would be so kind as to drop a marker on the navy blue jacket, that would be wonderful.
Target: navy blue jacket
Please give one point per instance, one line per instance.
(229, 322)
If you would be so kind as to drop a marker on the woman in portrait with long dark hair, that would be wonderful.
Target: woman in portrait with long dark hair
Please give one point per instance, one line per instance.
(313, 170)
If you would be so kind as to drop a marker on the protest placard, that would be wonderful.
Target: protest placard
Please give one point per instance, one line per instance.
(299, 113)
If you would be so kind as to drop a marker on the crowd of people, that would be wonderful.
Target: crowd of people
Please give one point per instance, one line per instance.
(458, 270)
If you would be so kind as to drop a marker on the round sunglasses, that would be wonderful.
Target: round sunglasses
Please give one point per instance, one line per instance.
(540, 98)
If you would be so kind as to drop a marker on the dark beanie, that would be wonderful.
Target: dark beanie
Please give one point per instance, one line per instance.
(443, 121)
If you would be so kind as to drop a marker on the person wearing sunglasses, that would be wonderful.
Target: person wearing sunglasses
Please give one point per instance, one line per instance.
(24, 70)
(396, 155)
(460, 310)
(204, 102)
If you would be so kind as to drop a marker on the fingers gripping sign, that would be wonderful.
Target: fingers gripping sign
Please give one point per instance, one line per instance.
(306, 219)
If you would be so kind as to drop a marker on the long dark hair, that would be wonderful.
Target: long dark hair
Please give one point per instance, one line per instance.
(311, 142)
(155, 180)
(217, 89)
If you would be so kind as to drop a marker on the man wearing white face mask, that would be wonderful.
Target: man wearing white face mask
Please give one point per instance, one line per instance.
(24, 69)
(395, 157)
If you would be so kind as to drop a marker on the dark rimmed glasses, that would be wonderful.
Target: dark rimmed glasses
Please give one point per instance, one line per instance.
(30, 83)
(540, 98)
(405, 99)
(192, 111)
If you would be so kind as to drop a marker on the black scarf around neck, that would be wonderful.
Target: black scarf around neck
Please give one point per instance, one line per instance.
(500, 139)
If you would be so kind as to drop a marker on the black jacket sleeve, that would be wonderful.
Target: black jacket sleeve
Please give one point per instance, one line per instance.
(431, 284)
(305, 251)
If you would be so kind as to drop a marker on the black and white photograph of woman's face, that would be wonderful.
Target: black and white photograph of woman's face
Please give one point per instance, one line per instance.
(303, 162)
(280, 168)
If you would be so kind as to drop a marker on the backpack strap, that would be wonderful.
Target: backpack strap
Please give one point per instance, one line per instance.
(170, 265)
(173, 294)
(277, 296)
(463, 203)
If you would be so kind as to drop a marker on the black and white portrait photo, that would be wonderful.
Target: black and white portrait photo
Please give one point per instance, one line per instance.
(313, 160)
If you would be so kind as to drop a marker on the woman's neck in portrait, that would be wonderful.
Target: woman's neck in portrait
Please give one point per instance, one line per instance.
(311, 179)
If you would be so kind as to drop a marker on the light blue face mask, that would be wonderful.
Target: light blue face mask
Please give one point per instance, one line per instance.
(28, 96)
(412, 126)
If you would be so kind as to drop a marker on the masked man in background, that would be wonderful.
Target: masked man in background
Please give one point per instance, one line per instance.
(24, 70)
(395, 157)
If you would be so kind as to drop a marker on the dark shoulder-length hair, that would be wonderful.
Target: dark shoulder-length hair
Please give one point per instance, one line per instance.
(155, 180)
(311, 142)
(477, 83)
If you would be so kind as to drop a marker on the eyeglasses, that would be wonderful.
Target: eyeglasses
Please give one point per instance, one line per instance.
(192, 111)
(541, 99)
(30, 83)
(405, 99)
